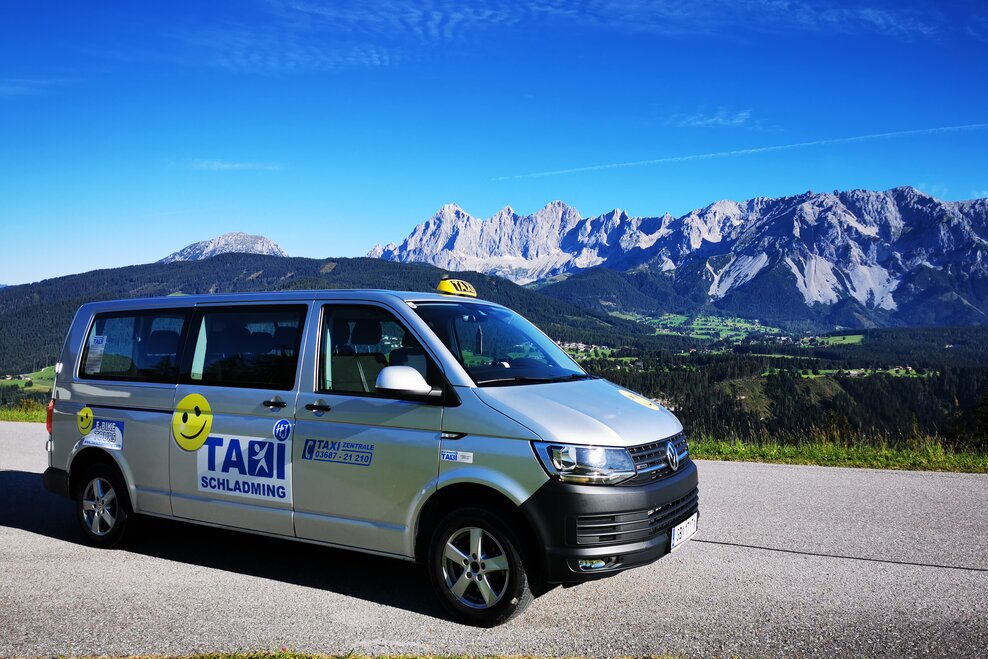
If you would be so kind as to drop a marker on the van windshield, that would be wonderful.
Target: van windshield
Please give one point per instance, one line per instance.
(496, 346)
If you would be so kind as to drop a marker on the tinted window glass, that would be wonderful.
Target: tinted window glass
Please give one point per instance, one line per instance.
(246, 347)
(359, 341)
(496, 346)
(141, 346)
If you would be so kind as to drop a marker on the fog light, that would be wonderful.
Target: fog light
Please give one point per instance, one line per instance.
(587, 564)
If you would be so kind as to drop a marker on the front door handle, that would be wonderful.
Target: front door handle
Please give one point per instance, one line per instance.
(274, 403)
(317, 407)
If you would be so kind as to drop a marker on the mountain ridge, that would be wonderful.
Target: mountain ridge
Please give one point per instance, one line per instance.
(877, 256)
(234, 242)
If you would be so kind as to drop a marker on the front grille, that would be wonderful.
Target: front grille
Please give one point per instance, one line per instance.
(650, 459)
(634, 526)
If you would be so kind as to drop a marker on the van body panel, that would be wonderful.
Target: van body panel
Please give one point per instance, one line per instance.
(508, 466)
(117, 458)
(361, 467)
(474, 416)
(490, 449)
(141, 408)
(583, 412)
(145, 414)
(364, 465)
(237, 444)
(245, 462)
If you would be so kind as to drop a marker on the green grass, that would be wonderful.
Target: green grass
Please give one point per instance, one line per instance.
(628, 316)
(600, 353)
(923, 455)
(842, 340)
(42, 380)
(291, 654)
(29, 413)
(726, 328)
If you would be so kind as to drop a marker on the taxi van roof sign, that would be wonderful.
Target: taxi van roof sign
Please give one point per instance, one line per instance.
(459, 287)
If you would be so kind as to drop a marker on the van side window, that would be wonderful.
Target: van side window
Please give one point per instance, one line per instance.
(141, 346)
(359, 341)
(254, 347)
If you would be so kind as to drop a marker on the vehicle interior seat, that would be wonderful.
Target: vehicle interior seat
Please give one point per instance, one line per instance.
(346, 370)
(225, 348)
(160, 352)
(261, 343)
(285, 340)
(366, 340)
(410, 354)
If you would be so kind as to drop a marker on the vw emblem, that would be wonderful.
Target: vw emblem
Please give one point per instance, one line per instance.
(672, 457)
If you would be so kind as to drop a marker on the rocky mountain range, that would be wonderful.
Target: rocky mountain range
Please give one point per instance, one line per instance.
(235, 242)
(854, 258)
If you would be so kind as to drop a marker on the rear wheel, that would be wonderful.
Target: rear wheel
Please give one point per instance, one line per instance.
(476, 568)
(102, 506)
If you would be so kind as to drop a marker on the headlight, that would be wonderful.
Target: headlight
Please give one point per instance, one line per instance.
(590, 465)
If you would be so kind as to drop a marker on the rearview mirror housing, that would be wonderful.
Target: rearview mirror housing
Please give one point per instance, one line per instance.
(402, 381)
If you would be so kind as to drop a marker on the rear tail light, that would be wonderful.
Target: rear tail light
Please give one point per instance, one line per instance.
(51, 409)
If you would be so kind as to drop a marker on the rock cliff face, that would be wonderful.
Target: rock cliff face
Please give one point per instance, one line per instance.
(229, 243)
(874, 251)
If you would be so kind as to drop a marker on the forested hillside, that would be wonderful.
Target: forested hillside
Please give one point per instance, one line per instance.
(893, 387)
(35, 317)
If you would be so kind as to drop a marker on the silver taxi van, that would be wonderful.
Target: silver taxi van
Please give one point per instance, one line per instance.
(422, 426)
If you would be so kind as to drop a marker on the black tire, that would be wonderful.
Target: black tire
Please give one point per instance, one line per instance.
(102, 506)
(485, 588)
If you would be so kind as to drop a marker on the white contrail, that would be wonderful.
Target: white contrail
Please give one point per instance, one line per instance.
(745, 152)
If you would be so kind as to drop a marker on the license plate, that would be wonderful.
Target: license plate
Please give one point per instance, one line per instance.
(683, 532)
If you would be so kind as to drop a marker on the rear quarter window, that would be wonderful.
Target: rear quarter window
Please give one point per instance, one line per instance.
(138, 346)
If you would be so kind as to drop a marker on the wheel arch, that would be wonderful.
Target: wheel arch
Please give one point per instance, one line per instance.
(90, 456)
(474, 495)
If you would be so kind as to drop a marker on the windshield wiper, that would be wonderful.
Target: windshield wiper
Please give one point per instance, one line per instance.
(522, 379)
(518, 379)
(574, 376)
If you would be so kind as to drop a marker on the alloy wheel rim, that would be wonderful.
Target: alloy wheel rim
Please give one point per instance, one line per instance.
(99, 506)
(475, 568)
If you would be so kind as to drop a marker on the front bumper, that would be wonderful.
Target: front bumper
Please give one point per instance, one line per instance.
(623, 526)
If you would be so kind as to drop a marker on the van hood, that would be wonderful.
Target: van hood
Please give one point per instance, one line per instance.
(583, 412)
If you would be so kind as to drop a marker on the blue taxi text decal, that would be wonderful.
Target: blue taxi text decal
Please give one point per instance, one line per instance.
(258, 468)
(456, 456)
(105, 434)
(331, 450)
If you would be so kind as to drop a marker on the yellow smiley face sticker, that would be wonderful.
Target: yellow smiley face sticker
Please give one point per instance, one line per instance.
(641, 400)
(84, 420)
(191, 422)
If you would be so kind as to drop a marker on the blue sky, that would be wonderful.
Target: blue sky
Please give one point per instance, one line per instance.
(130, 129)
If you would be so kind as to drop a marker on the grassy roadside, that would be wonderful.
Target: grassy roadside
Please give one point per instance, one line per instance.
(31, 413)
(289, 654)
(923, 456)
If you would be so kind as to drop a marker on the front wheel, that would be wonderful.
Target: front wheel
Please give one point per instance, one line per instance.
(102, 506)
(476, 568)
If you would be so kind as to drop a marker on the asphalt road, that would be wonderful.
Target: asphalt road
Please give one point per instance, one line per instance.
(795, 561)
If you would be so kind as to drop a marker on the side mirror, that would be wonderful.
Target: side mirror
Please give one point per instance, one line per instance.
(402, 381)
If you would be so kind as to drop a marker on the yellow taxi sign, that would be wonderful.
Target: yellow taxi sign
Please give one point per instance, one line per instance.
(449, 286)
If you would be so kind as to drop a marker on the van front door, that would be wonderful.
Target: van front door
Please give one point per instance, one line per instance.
(233, 426)
(363, 461)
